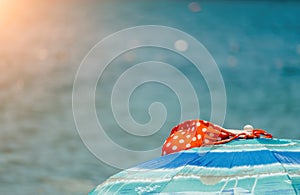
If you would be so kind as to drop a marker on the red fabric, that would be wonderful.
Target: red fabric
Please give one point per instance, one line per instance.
(197, 133)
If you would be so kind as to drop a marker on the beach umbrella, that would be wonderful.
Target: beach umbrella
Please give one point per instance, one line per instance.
(236, 166)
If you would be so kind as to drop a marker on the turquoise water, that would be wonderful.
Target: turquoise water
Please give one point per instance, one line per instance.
(255, 44)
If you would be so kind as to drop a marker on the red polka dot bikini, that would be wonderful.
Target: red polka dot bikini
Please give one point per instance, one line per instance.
(197, 133)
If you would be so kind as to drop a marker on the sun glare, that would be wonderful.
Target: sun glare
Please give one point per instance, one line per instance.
(3, 4)
(4, 8)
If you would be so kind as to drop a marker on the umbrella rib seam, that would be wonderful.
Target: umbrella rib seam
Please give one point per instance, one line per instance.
(183, 166)
(287, 173)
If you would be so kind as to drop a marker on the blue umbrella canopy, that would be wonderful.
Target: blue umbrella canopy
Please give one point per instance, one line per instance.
(242, 166)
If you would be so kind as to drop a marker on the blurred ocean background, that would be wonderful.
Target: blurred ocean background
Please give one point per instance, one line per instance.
(256, 45)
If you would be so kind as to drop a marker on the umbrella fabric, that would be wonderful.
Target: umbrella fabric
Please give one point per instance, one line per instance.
(242, 166)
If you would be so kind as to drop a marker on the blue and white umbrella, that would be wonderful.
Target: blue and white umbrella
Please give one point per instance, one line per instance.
(242, 166)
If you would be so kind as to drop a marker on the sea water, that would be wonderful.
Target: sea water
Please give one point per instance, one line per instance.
(256, 46)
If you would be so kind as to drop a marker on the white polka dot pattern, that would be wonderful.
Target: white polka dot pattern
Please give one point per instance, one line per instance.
(189, 134)
(198, 133)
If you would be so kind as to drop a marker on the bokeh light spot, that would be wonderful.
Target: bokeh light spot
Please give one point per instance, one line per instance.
(194, 7)
(181, 45)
